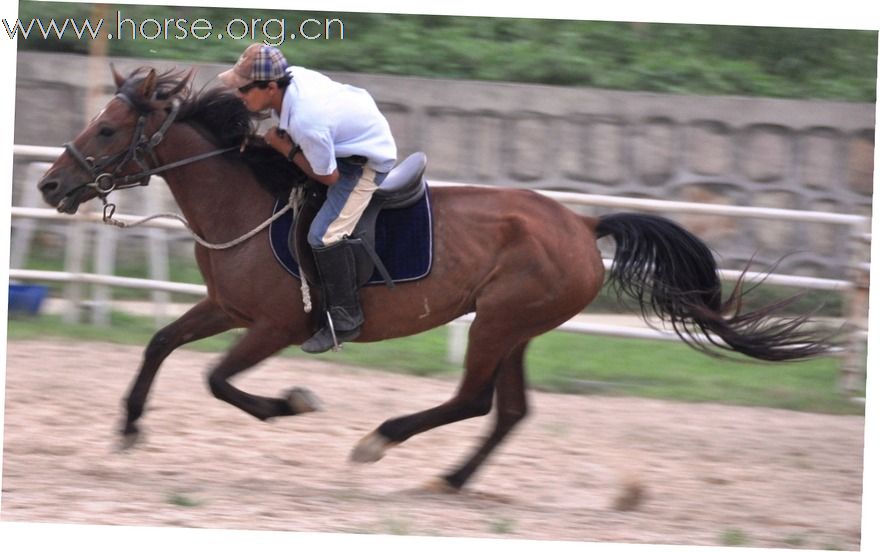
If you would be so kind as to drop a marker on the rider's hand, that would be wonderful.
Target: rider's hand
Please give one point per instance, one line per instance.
(278, 140)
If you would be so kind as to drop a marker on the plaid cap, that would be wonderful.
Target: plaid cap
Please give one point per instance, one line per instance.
(259, 62)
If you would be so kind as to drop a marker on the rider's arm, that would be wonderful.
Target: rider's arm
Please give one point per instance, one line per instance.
(282, 143)
(303, 163)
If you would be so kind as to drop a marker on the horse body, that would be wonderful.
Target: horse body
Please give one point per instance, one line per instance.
(496, 236)
(490, 260)
(521, 262)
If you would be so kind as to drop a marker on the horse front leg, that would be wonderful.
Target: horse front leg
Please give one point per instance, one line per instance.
(202, 320)
(260, 342)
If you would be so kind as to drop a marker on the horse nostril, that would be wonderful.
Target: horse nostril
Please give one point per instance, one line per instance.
(48, 186)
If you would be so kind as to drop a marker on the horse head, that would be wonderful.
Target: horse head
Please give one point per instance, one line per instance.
(110, 151)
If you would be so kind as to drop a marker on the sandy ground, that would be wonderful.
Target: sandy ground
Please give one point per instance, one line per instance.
(706, 474)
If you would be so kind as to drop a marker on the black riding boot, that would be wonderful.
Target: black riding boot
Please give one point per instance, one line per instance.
(336, 268)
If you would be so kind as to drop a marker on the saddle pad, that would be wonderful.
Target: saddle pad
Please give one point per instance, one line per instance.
(403, 241)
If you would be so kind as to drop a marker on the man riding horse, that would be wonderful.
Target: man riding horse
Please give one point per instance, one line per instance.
(337, 136)
(520, 262)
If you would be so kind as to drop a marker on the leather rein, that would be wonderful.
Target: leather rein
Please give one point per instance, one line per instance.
(141, 150)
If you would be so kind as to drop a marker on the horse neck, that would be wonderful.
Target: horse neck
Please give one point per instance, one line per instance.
(219, 198)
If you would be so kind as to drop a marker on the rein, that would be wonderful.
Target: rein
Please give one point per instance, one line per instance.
(292, 202)
(105, 182)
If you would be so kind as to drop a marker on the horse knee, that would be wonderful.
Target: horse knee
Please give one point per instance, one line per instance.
(218, 385)
(480, 406)
(508, 418)
(158, 344)
(484, 406)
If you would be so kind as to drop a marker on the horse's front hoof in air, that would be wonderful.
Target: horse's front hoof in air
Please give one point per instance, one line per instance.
(301, 400)
(370, 449)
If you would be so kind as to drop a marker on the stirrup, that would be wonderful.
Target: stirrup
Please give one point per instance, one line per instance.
(336, 345)
(327, 339)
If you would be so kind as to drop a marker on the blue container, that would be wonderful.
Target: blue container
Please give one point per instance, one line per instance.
(26, 299)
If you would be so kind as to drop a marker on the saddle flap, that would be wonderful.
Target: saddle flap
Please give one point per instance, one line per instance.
(405, 184)
(402, 239)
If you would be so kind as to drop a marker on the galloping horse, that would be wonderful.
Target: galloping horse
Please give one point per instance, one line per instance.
(523, 263)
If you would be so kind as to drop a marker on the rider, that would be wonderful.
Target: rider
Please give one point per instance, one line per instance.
(337, 136)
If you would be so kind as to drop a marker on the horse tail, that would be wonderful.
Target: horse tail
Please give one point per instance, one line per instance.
(672, 274)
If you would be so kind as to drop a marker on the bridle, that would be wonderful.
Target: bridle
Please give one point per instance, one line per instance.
(105, 179)
(141, 150)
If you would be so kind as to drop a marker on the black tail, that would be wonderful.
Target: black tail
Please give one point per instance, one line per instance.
(672, 274)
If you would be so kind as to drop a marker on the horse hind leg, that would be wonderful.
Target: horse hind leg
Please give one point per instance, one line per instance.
(510, 408)
(202, 320)
(469, 402)
(473, 398)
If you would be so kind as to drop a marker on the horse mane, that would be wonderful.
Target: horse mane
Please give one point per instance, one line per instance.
(223, 119)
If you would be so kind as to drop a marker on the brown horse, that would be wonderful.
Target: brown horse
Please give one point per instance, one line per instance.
(524, 264)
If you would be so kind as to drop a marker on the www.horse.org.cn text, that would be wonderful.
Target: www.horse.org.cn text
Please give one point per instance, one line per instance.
(272, 31)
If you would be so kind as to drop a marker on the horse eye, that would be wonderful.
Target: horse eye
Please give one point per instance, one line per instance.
(106, 131)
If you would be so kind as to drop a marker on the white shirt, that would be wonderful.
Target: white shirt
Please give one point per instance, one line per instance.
(330, 120)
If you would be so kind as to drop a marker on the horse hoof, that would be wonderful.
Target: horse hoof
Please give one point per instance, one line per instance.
(370, 449)
(129, 440)
(439, 485)
(301, 400)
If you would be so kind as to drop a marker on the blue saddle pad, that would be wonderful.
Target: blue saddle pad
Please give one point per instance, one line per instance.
(403, 241)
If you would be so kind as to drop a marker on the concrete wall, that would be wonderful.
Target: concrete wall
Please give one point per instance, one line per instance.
(741, 151)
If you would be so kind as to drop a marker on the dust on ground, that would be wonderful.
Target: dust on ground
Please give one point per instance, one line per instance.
(585, 468)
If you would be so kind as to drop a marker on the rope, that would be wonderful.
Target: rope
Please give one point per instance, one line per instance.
(226, 245)
(292, 201)
(306, 292)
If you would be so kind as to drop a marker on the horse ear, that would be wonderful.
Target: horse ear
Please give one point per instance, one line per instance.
(117, 78)
(184, 82)
(148, 87)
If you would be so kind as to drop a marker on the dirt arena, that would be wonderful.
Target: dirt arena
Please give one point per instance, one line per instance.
(704, 474)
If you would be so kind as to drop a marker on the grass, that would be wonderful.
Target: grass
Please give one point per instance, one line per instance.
(182, 500)
(795, 541)
(502, 526)
(395, 526)
(557, 361)
(734, 537)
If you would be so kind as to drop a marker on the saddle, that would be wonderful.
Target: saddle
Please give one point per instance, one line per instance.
(404, 186)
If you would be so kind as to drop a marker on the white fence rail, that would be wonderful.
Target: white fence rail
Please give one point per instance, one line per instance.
(106, 280)
(855, 289)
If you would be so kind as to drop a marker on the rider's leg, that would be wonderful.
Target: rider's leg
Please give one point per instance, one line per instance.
(336, 220)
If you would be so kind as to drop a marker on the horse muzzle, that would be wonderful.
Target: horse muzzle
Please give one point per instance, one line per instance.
(65, 197)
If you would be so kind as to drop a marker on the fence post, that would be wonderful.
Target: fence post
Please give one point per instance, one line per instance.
(74, 253)
(105, 264)
(158, 251)
(853, 363)
(24, 229)
(456, 345)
